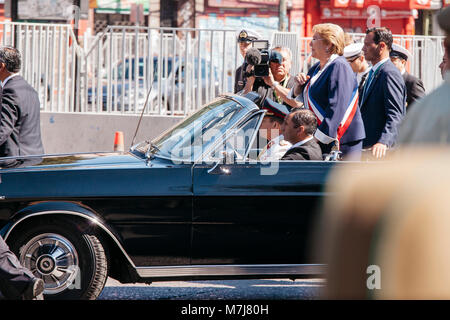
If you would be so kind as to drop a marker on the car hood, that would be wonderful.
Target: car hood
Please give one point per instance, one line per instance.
(71, 161)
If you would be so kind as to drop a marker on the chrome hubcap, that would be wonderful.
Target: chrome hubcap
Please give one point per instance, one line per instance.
(52, 258)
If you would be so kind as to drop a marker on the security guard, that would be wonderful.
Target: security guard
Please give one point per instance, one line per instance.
(414, 86)
(271, 130)
(244, 40)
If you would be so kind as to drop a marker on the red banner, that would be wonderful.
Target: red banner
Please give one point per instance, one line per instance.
(348, 3)
(266, 2)
(242, 3)
(386, 4)
(421, 4)
(355, 13)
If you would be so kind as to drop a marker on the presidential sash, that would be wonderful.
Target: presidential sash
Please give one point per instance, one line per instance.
(320, 113)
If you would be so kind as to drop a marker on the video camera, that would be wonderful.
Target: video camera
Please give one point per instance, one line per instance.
(259, 56)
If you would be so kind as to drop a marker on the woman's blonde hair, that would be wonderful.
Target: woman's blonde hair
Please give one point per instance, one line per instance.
(332, 34)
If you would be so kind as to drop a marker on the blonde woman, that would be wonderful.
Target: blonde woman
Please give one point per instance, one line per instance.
(330, 90)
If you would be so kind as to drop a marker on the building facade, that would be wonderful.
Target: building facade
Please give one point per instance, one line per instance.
(406, 17)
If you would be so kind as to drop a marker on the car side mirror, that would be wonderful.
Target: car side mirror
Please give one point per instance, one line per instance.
(229, 157)
(219, 169)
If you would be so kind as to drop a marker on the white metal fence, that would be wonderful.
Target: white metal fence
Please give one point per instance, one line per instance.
(49, 58)
(184, 68)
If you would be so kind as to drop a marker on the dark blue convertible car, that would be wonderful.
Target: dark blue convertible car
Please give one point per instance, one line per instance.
(194, 203)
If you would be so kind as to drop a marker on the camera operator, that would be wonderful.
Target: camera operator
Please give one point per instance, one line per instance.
(277, 84)
(244, 40)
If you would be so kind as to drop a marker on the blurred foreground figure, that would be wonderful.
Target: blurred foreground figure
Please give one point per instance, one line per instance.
(429, 120)
(386, 233)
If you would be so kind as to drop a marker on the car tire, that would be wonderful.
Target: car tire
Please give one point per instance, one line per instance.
(69, 258)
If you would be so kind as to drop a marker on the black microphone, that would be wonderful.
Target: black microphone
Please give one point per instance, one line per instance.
(253, 56)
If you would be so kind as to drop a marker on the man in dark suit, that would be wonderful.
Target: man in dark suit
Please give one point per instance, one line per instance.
(19, 135)
(298, 128)
(384, 95)
(414, 86)
(20, 129)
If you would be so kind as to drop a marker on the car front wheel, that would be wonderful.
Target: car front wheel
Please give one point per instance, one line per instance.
(67, 256)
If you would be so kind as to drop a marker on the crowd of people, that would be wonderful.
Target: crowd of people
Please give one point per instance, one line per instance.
(359, 92)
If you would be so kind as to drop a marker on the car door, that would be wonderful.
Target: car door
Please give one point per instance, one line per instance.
(255, 213)
(150, 206)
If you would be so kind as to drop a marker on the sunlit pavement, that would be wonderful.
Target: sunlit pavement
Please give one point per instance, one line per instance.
(273, 289)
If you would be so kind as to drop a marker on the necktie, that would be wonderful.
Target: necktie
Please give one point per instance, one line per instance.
(367, 83)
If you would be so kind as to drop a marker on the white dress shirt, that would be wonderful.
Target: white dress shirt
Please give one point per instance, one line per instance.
(3, 83)
(298, 144)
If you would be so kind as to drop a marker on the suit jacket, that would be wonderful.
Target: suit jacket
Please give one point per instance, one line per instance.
(414, 88)
(332, 93)
(20, 127)
(361, 84)
(383, 106)
(310, 150)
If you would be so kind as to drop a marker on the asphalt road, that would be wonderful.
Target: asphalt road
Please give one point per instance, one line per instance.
(273, 289)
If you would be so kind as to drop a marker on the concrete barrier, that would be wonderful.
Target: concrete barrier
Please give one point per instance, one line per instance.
(80, 132)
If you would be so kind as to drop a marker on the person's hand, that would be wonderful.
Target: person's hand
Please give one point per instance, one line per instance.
(301, 78)
(249, 70)
(379, 150)
(249, 80)
(269, 80)
(300, 81)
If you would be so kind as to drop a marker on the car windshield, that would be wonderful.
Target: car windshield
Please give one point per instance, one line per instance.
(188, 140)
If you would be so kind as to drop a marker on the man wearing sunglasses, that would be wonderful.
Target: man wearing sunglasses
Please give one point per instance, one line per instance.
(278, 83)
(355, 57)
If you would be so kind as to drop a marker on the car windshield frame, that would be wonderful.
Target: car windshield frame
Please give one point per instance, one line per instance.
(195, 136)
